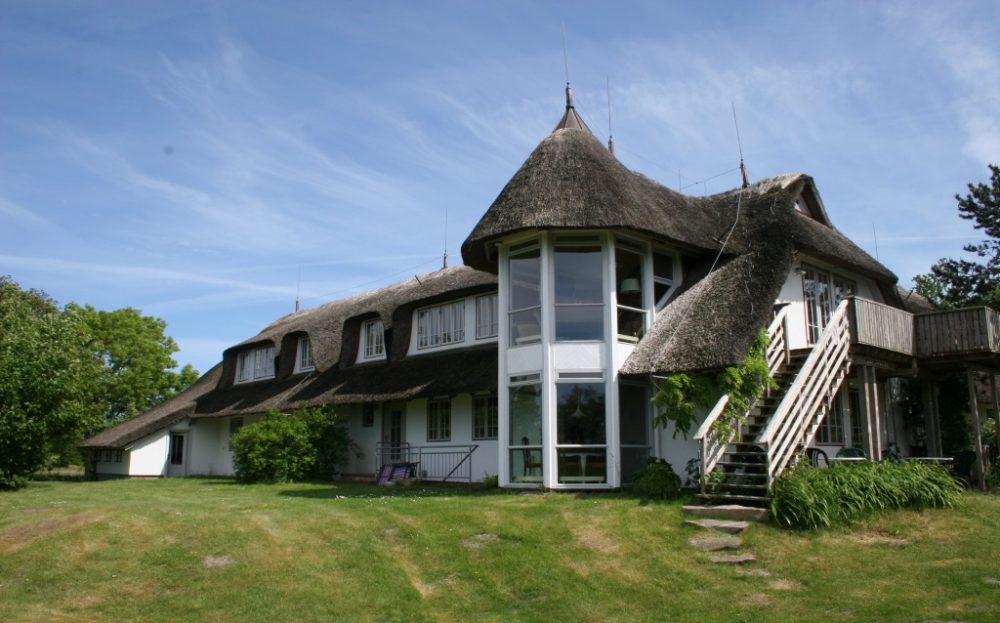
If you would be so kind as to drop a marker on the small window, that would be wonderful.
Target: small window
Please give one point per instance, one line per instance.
(487, 322)
(372, 340)
(484, 417)
(255, 364)
(235, 424)
(664, 278)
(304, 361)
(439, 420)
(367, 415)
(441, 325)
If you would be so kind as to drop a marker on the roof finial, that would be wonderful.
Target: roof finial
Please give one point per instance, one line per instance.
(569, 96)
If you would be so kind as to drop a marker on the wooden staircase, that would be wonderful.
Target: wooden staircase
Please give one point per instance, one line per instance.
(740, 467)
(740, 476)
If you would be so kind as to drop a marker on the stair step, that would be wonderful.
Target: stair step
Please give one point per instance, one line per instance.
(737, 485)
(722, 525)
(732, 497)
(739, 464)
(728, 511)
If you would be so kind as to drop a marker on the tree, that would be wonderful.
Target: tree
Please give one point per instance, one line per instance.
(959, 283)
(136, 356)
(48, 396)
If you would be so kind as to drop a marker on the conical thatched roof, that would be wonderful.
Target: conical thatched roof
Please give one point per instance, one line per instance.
(571, 181)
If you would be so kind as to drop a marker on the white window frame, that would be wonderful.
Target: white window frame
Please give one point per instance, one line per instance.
(303, 355)
(255, 364)
(439, 420)
(441, 325)
(485, 416)
(488, 327)
(372, 346)
(671, 282)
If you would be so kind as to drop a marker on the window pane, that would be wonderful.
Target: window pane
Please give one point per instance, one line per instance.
(525, 326)
(580, 322)
(663, 266)
(628, 278)
(578, 275)
(485, 417)
(525, 279)
(632, 409)
(486, 316)
(580, 413)
(588, 465)
(631, 324)
(526, 465)
(526, 415)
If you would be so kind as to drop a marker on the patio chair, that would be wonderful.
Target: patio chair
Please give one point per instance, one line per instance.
(530, 464)
(817, 457)
(851, 453)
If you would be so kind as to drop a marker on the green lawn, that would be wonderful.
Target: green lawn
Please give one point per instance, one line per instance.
(209, 549)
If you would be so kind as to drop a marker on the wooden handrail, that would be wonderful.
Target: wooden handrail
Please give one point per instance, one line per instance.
(711, 445)
(809, 397)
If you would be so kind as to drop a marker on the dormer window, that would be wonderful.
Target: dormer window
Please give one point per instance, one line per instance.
(441, 325)
(372, 340)
(304, 357)
(255, 364)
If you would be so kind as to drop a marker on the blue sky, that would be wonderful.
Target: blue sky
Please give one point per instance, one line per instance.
(198, 160)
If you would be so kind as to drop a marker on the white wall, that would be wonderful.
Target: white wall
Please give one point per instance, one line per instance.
(110, 468)
(148, 457)
(676, 451)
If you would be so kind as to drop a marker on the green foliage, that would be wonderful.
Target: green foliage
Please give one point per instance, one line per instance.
(47, 397)
(657, 481)
(136, 356)
(274, 449)
(328, 440)
(308, 443)
(680, 396)
(960, 283)
(811, 497)
(490, 482)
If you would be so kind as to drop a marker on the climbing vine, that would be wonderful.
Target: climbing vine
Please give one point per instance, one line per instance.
(681, 396)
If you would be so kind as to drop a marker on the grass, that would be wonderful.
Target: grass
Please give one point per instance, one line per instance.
(212, 550)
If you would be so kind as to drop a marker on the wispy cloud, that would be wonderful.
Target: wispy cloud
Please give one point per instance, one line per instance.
(20, 213)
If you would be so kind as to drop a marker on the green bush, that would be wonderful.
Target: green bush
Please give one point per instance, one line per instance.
(328, 439)
(811, 497)
(657, 481)
(274, 449)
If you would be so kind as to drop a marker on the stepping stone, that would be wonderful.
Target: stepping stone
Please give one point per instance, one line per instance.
(728, 511)
(722, 525)
(709, 543)
(733, 559)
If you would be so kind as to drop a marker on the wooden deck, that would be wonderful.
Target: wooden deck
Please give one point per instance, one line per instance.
(968, 336)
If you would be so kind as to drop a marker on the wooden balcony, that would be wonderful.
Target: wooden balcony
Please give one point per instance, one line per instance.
(969, 336)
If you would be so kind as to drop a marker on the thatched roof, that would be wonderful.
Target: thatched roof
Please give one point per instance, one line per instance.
(157, 418)
(334, 329)
(571, 181)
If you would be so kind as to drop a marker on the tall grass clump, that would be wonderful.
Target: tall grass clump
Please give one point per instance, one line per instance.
(812, 497)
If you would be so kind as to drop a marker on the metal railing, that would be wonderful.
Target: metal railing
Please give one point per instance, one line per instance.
(711, 445)
(439, 463)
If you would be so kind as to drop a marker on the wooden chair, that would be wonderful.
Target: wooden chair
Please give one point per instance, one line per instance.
(530, 464)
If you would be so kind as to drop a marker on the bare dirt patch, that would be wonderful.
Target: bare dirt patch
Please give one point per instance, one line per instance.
(591, 534)
(16, 538)
(216, 562)
(781, 584)
(478, 540)
(875, 538)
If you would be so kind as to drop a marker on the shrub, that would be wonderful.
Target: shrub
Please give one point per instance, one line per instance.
(277, 448)
(328, 439)
(657, 480)
(811, 497)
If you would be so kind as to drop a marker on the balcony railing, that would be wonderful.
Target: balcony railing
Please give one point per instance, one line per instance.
(951, 333)
(881, 326)
(441, 463)
(975, 330)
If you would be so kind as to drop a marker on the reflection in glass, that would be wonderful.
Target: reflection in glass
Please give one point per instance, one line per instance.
(580, 413)
(526, 415)
(583, 465)
(579, 322)
(633, 426)
(525, 279)
(578, 274)
(525, 326)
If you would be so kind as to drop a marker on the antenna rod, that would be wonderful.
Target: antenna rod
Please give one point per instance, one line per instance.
(739, 145)
(445, 260)
(298, 288)
(565, 53)
(611, 138)
(875, 236)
